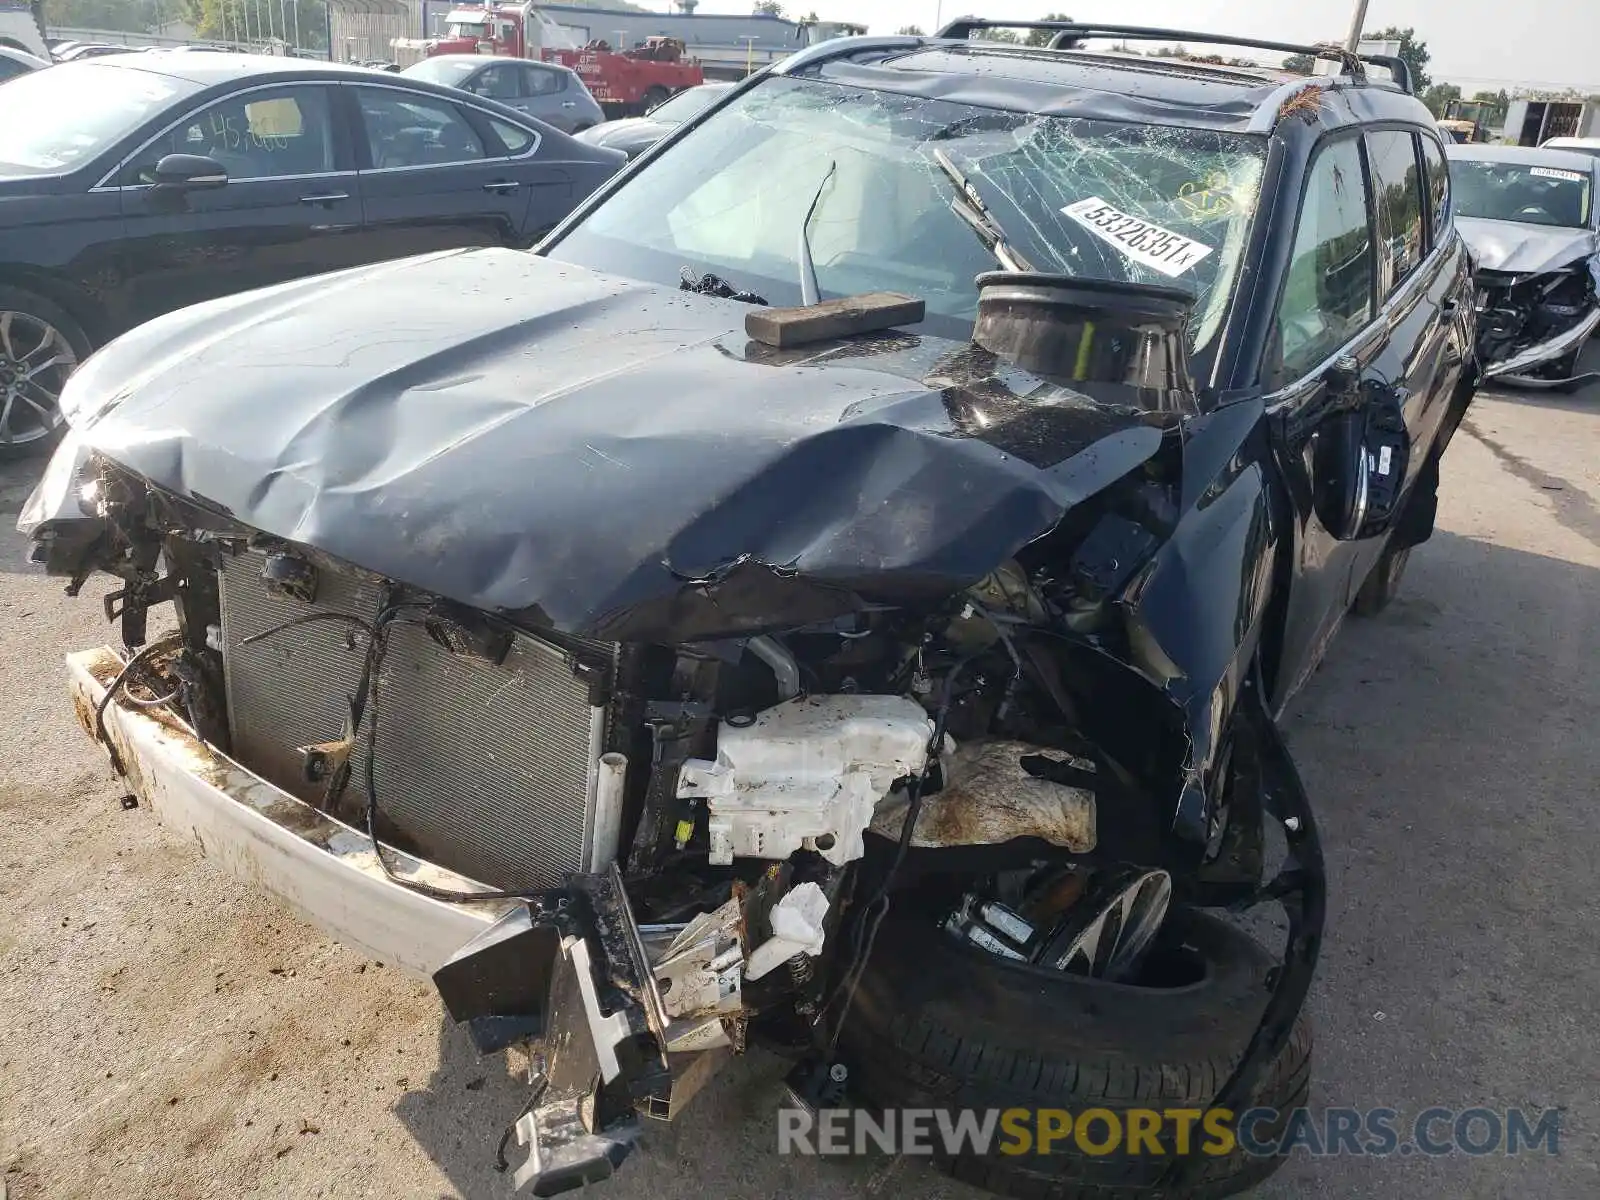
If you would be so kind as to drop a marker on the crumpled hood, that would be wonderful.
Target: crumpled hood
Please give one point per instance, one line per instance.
(607, 456)
(1520, 249)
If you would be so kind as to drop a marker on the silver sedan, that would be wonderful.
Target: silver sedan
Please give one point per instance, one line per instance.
(548, 92)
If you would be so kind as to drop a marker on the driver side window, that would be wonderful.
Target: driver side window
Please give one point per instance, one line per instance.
(266, 133)
(539, 82)
(498, 82)
(1327, 296)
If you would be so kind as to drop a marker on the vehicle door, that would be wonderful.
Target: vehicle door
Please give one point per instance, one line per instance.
(1331, 370)
(289, 207)
(549, 95)
(536, 90)
(1422, 276)
(438, 175)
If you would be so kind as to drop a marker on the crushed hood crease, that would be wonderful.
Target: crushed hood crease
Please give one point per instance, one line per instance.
(608, 457)
(1520, 249)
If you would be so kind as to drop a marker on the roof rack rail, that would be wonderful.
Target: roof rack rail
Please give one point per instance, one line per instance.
(1399, 68)
(1069, 33)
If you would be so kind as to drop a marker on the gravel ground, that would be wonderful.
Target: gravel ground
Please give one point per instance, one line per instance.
(168, 1032)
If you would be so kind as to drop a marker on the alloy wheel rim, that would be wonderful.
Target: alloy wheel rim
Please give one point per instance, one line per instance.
(1112, 944)
(35, 360)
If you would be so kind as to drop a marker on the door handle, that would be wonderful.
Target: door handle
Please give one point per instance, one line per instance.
(325, 198)
(502, 185)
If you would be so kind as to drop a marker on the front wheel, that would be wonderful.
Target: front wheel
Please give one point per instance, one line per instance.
(939, 1025)
(40, 346)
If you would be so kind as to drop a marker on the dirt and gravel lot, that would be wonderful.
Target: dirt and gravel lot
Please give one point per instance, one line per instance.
(166, 1031)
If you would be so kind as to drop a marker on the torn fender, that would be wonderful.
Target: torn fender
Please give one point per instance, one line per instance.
(569, 965)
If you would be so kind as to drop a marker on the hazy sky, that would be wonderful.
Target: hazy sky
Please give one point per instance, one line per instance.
(1476, 43)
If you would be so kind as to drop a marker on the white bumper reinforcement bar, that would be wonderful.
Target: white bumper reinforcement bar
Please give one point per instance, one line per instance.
(320, 867)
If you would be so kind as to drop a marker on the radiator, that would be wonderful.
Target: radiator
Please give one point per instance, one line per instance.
(488, 770)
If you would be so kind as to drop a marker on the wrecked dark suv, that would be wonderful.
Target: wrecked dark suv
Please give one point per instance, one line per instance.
(836, 594)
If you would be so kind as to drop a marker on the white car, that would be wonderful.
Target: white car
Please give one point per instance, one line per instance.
(1575, 145)
(22, 27)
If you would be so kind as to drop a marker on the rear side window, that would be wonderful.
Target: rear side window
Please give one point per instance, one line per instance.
(514, 140)
(1397, 184)
(406, 129)
(1327, 297)
(1438, 188)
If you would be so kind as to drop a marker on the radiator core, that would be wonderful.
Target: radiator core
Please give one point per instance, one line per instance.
(488, 770)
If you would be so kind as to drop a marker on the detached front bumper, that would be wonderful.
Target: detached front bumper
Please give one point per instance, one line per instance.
(567, 965)
(1516, 368)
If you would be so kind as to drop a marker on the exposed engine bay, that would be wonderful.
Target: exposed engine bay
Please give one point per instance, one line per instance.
(1533, 327)
(751, 807)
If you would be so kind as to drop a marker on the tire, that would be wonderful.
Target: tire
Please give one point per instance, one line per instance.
(1383, 584)
(1565, 369)
(33, 329)
(654, 96)
(939, 1025)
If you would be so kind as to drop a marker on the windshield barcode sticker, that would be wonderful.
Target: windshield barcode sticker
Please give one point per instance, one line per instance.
(1157, 248)
(1553, 173)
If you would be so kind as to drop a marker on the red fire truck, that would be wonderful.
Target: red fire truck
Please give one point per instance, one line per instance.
(625, 82)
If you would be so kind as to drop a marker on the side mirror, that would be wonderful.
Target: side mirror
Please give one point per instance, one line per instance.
(190, 173)
(1340, 485)
(1360, 458)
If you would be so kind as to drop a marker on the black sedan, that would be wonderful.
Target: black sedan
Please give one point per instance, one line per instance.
(634, 135)
(139, 183)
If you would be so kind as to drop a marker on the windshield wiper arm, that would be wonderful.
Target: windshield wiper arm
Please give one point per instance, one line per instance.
(969, 206)
(810, 293)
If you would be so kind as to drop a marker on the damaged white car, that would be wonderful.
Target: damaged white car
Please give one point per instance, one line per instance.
(1532, 220)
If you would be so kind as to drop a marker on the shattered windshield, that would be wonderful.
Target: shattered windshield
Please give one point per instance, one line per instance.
(1501, 191)
(1100, 199)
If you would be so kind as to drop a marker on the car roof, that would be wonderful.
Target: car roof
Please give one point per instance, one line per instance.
(205, 68)
(1529, 156)
(485, 59)
(1086, 82)
(1562, 143)
(23, 57)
